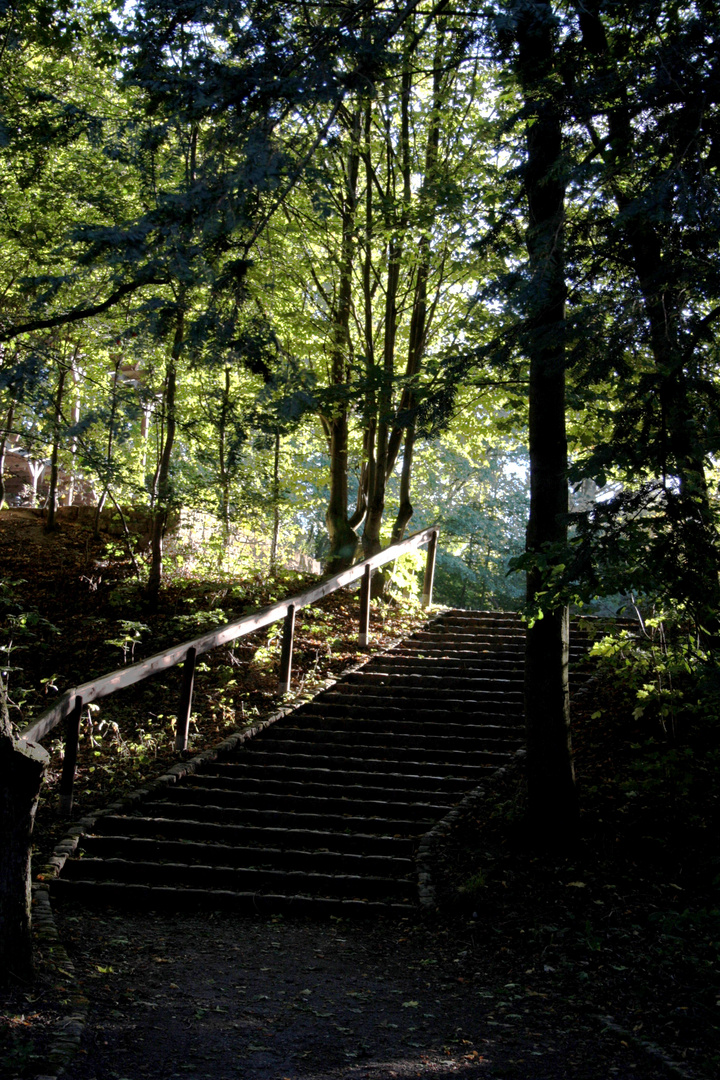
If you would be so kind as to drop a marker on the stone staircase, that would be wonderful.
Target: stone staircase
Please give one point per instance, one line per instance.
(322, 811)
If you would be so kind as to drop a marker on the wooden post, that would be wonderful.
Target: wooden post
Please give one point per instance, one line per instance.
(287, 650)
(72, 735)
(365, 606)
(429, 571)
(186, 695)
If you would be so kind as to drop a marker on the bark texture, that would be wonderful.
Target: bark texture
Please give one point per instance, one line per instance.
(552, 800)
(22, 767)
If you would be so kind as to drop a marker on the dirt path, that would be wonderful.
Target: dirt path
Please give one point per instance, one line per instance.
(229, 998)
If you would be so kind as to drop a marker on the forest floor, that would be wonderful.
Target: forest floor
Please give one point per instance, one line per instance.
(601, 963)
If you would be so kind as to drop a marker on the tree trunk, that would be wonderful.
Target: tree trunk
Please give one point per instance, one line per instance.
(160, 510)
(22, 767)
(396, 224)
(3, 445)
(50, 523)
(75, 419)
(276, 504)
(222, 463)
(552, 799)
(343, 538)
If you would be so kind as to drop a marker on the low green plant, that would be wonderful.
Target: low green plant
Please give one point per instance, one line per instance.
(474, 885)
(129, 634)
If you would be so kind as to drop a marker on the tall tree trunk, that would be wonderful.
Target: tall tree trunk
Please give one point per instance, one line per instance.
(161, 507)
(3, 445)
(22, 767)
(343, 538)
(276, 504)
(74, 419)
(397, 225)
(552, 799)
(223, 469)
(50, 522)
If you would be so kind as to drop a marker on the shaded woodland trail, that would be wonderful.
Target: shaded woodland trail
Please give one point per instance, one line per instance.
(226, 997)
(524, 983)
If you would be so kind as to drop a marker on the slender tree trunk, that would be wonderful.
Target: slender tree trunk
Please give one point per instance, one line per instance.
(419, 316)
(222, 463)
(161, 508)
(22, 767)
(75, 419)
(276, 504)
(3, 445)
(552, 799)
(343, 538)
(50, 523)
(397, 225)
(109, 449)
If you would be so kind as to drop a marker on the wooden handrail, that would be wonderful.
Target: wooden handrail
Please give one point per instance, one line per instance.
(70, 704)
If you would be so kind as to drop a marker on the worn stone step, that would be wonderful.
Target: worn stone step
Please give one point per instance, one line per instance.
(446, 763)
(326, 806)
(418, 740)
(256, 769)
(150, 849)
(402, 664)
(400, 683)
(274, 819)
(211, 877)
(159, 898)
(456, 700)
(391, 712)
(386, 722)
(278, 788)
(265, 835)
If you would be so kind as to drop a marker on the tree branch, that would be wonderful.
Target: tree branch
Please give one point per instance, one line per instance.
(78, 314)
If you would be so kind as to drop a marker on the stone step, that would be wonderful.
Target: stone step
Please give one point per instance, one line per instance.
(356, 757)
(390, 713)
(151, 849)
(467, 743)
(389, 780)
(277, 788)
(399, 683)
(263, 835)
(455, 700)
(275, 819)
(216, 878)
(171, 899)
(327, 806)
(385, 722)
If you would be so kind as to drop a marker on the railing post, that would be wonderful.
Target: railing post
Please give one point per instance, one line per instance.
(72, 736)
(287, 650)
(429, 570)
(365, 606)
(186, 696)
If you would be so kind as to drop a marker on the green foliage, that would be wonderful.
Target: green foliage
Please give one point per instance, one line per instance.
(129, 634)
(664, 667)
